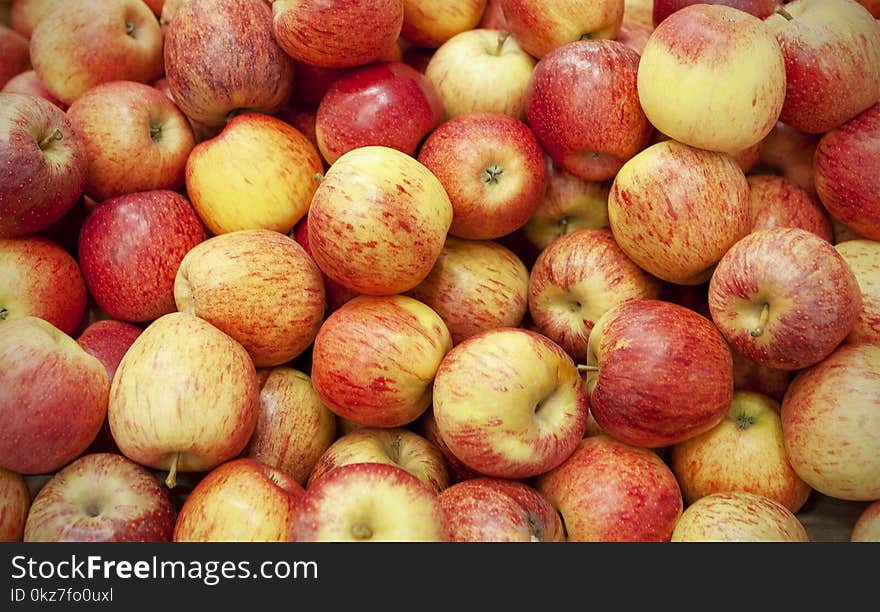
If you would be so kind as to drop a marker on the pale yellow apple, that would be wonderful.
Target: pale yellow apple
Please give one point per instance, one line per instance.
(738, 517)
(863, 257)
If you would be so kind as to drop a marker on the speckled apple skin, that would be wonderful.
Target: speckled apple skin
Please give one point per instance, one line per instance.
(738, 517)
(863, 258)
(15, 502)
(867, 526)
(778, 202)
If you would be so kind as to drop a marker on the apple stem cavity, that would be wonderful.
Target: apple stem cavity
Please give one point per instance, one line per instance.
(4, 313)
(744, 421)
(502, 38)
(492, 175)
(155, 132)
(780, 10)
(56, 135)
(171, 480)
(758, 331)
(563, 226)
(361, 531)
(129, 28)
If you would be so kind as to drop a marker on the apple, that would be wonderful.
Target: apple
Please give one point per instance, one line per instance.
(578, 278)
(378, 221)
(540, 27)
(294, 427)
(475, 285)
(843, 166)
(26, 14)
(872, 5)
(430, 23)
(53, 397)
(609, 491)
(374, 359)
(222, 59)
(729, 73)
(91, 42)
(259, 287)
(233, 179)
(321, 34)
(481, 70)
(867, 525)
(497, 510)
(304, 119)
(759, 8)
(659, 205)
(29, 83)
(386, 103)
(639, 11)
(37, 143)
(750, 375)
(493, 16)
(312, 83)
(156, 6)
(778, 202)
(101, 497)
(184, 397)
(691, 373)
(392, 446)
(15, 54)
(242, 500)
(38, 278)
(493, 170)
(789, 153)
(336, 294)
(842, 233)
(744, 452)
(830, 422)
(738, 516)
(569, 204)
(130, 248)
(15, 502)
(847, 35)
(370, 502)
(784, 298)
(426, 426)
(583, 105)
(634, 34)
(863, 258)
(509, 403)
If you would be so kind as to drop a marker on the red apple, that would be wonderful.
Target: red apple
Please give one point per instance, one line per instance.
(493, 16)
(130, 249)
(576, 279)
(738, 516)
(89, 42)
(29, 83)
(789, 153)
(426, 426)
(388, 103)
(336, 294)
(53, 397)
(243, 500)
(784, 298)
(867, 525)
(583, 105)
(608, 491)
(778, 202)
(750, 375)
(14, 54)
(101, 497)
(430, 24)
(26, 13)
(759, 8)
(15, 502)
(691, 381)
(496, 510)
(634, 34)
(863, 258)
(43, 164)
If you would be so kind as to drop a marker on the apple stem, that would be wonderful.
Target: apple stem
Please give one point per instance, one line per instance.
(361, 531)
(4, 313)
(563, 226)
(759, 329)
(155, 131)
(56, 135)
(171, 480)
(502, 38)
(780, 10)
(583, 368)
(492, 174)
(129, 28)
(744, 421)
(318, 177)
(587, 36)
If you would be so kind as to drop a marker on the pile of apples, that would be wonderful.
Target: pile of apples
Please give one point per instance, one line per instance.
(469, 270)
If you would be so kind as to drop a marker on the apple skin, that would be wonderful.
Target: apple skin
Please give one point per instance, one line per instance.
(136, 139)
(259, 287)
(744, 452)
(29, 83)
(867, 525)
(378, 221)
(320, 33)
(26, 13)
(222, 58)
(475, 285)
(540, 27)
(426, 426)
(15, 502)
(39, 278)
(731, 73)
(759, 8)
(374, 359)
(184, 397)
(749, 375)
(662, 200)
(608, 491)
(493, 16)
(583, 105)
(830, 422)
(101, 497)
(242, 500)
(778, 202)
(232, 179)
(691, 380)
(43, 164)
(493, 170)
(807, 290)
(863, 258)
(481, 70)
(789, 153)
(130, 249)
(498, 510)
(336, 294)
(88, 43)
(634, 34)
(844, 170)
(738, 517)
(294, 427)
(430, 23)
(53, 397)
(848, 35)
(578, 278)
(387, 103)
(509, 403)
(15, 51)
(392, 446)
